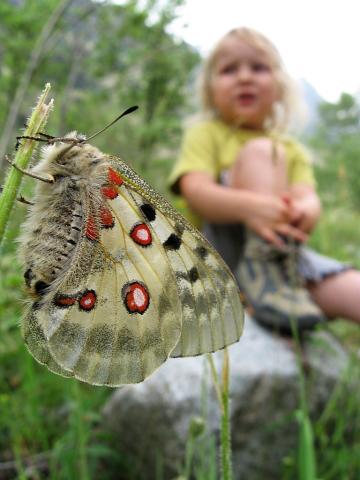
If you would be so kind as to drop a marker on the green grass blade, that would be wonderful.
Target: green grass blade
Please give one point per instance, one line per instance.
(306, 450)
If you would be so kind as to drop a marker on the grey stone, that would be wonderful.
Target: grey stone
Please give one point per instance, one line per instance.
(151, 420)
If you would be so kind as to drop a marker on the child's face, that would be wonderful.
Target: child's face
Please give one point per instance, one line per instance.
(243, 85)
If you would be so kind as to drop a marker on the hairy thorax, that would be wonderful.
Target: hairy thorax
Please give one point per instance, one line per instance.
(56, 222)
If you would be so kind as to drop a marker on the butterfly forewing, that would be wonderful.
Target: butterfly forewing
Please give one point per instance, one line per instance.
(212, 310)
(220, 321)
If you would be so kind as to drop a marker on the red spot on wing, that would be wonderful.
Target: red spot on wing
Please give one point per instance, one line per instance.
(91, 232)
(106, 218)
(141, 234)
(64, 301)
(110, 191)
(87, 300)
(136, 297)
(114, 177)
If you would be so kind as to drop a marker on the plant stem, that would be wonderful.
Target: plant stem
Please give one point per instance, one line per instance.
(215, 379)
(225, 421)
(306, 448)
(222, 392)
(12, 183)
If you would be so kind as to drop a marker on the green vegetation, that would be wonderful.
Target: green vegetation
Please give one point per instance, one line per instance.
(107, 60)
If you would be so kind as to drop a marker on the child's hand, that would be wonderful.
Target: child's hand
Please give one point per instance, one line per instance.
(267, 215)
(304, 207)
(271, 217)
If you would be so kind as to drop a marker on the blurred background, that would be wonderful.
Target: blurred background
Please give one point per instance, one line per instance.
(102, 57)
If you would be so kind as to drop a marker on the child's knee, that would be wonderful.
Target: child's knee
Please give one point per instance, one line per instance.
(260, 155)
(262, 150)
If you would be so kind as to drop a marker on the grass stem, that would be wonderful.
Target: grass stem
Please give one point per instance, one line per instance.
(23, 155)
(222, 392)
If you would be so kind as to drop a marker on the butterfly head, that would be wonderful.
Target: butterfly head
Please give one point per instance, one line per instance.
(71, 156)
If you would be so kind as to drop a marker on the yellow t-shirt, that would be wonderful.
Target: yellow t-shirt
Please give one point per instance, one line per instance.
(212, 146)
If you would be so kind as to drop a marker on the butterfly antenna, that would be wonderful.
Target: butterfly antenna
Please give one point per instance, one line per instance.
(127, 111)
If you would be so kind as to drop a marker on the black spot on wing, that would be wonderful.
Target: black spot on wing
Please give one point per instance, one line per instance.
(193, 274)
(173, 242)
(201, 252)
(149, 211)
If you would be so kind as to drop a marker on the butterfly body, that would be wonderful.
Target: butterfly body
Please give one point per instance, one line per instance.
(119, 280)
(53, 228)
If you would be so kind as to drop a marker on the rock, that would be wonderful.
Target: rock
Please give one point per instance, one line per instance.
(151, 420)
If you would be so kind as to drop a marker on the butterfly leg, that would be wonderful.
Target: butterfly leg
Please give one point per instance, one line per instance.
(49, 179)
(38, 133)
(29, 138)
(22, 199)
(46, 135)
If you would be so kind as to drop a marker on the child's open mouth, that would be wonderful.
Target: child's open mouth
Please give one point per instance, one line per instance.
(246, 99)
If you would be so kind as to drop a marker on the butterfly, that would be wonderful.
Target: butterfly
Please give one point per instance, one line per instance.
(119, 281)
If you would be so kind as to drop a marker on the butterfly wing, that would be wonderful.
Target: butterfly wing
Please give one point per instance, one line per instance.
(38, 346)
(115, 316)
(212, 313)
(143, 284)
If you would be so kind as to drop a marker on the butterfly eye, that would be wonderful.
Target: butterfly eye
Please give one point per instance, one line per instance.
(58, 177)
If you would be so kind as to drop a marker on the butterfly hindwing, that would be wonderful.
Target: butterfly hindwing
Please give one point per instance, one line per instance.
(116, 316)
(37, 344)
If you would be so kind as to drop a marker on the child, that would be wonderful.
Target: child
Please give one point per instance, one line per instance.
(255, 189)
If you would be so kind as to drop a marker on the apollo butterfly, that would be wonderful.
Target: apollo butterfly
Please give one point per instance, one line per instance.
(119, 280)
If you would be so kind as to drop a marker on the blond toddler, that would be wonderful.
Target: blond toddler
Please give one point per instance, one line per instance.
(253, 188)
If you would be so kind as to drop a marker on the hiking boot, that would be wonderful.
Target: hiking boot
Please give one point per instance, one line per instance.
(269, 278)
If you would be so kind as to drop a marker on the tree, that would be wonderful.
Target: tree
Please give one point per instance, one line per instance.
(338, 142)
(100, 59)
(339, 119)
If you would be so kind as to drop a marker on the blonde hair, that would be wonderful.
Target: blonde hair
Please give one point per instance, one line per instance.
(288, 105)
